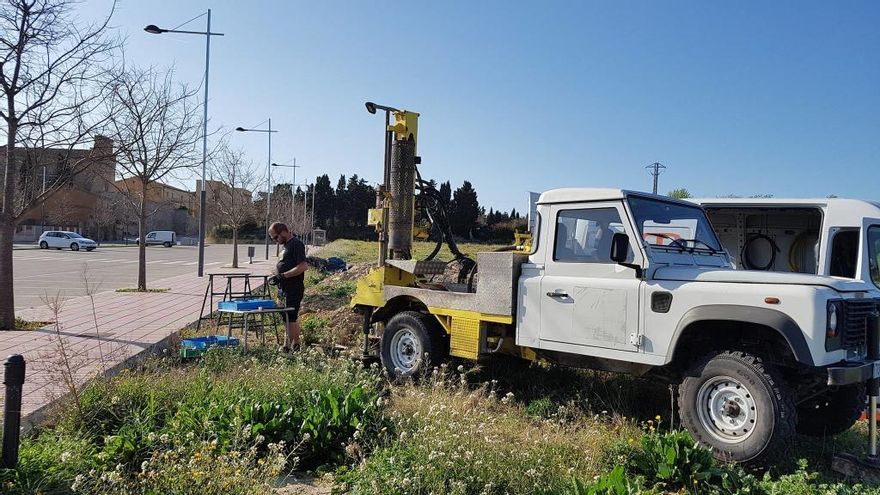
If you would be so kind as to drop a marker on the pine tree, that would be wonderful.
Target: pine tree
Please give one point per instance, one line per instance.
(465, 210)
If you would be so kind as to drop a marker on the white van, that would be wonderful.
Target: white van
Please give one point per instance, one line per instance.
(166, 238)
(824, 236)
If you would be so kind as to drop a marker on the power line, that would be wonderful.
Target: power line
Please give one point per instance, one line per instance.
(655, 169)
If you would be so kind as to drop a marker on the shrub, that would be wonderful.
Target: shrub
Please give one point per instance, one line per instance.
(47, 463)
(674, 461)
(183, 469)
(314, 329)
(448, 438)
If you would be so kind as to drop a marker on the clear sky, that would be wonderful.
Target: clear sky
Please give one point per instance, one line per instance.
(742, 98)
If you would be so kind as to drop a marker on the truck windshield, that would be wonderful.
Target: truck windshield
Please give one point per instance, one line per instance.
(874, 253)
(673, 225)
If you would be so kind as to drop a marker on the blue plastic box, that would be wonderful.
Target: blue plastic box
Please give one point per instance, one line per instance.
(197, 346)
(246, 304)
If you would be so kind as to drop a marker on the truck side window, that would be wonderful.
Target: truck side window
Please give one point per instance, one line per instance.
(845, 254)
(584, 236)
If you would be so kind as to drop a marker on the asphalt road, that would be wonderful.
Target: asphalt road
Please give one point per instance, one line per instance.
(40, 272)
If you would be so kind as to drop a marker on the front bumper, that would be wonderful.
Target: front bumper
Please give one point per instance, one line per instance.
(853, 372)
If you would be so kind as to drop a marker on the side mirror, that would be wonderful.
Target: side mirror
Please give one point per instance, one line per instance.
(619, 247)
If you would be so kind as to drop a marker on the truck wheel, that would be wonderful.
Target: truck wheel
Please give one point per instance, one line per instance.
(412, 342)
(737, 406)
(166, 244)
(832, 412)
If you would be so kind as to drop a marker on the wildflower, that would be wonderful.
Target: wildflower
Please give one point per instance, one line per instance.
(164, 438)
(145, 465)
(260, 439)
(460, 368)
(65, 456)
(151, 437)
(114, 400)
(657, 417)
(307, 437)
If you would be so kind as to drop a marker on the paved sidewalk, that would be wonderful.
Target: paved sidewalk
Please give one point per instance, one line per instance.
(129, 324)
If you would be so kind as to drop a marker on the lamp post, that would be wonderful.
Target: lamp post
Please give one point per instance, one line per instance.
(268, 131)
(305, 214)
(153, 29)
(294, 166)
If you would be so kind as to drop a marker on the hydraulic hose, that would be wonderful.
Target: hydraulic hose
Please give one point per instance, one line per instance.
(744, 254)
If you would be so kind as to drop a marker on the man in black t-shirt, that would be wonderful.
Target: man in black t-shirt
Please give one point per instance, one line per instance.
(290, 268)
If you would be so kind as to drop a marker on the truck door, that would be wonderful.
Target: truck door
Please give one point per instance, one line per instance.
(869, 252)
(586, 298)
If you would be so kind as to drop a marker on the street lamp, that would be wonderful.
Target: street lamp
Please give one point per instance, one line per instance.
(268, 131)
(153, 29)
(294, 166)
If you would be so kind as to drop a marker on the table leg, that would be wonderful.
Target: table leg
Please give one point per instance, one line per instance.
(245, 331)
(229, 331)
(263, 328)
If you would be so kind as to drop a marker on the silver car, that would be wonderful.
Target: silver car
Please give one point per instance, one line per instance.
(60, 239)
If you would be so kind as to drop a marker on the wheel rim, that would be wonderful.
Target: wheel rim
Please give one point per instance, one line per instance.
(74, 247)
(406, 350)
(727, 409)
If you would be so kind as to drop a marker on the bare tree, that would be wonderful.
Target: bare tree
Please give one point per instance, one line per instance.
(231, 193)
(156, 126)
(51, 68)
(111, 211)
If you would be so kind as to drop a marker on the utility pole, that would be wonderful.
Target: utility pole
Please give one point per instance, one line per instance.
(655, 169)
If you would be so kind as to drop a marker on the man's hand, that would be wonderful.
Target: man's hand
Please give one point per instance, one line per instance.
(275, 279)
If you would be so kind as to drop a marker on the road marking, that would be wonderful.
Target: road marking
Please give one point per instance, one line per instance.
(191, 263)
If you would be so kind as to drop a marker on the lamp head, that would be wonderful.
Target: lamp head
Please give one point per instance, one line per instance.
(154, 29)
(240, 129)
(371, 107)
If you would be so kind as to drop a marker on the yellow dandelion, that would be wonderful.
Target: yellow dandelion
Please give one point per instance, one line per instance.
(657, 417)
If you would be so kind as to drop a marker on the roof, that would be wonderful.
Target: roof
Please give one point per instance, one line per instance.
(840, 212)
(816, 202)
(583, 194)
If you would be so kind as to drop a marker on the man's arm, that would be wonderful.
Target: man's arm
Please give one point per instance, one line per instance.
(297, 270)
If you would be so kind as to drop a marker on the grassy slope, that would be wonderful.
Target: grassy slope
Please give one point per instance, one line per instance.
(367, 251)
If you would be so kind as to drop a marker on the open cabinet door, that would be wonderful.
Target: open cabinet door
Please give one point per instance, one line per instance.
(869, 251)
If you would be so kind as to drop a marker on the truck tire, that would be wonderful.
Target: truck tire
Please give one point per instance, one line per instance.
(166, 244)
(411, 343)
(738, 406)
(832, 412)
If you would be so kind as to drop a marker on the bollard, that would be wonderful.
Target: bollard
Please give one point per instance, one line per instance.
(251, 251)
(13, 379)
(873, 340)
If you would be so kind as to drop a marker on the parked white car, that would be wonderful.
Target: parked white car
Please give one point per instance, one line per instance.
(60, 239)
(165, 238)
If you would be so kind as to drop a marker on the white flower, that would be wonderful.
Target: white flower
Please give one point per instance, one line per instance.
(307, 437)
(114, 400)
(145, 465)
(164, 438)
(259, 439)
(460, 368)
(151, 437)
(65, 456)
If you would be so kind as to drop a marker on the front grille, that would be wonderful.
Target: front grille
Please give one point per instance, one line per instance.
(855, 312)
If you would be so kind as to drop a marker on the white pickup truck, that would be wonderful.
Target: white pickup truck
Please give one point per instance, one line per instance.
(633, 282)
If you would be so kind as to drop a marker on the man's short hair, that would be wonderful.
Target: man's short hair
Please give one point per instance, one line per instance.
(278, 227)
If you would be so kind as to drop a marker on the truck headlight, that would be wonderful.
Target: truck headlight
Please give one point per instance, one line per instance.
(833, 319)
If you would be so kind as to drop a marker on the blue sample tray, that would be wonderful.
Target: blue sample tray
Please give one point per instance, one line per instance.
(197, 346)
(246, 304)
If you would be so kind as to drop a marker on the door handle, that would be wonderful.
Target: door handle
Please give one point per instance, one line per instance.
(557, 294)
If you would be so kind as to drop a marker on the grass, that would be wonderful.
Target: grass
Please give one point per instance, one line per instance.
(26, 325)
(134, 289)
(178, 427)
(368, 251)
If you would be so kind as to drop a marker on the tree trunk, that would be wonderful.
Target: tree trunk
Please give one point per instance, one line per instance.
(234, 247)
(7, 295)
(7, 228)
(142, 245)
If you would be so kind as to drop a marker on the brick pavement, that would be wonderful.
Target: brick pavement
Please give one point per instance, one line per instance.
(129, 325)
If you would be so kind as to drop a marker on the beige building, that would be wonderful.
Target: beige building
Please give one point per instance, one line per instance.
(74, 206)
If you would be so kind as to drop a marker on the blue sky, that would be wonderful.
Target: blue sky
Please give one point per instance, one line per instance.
(743, 98)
